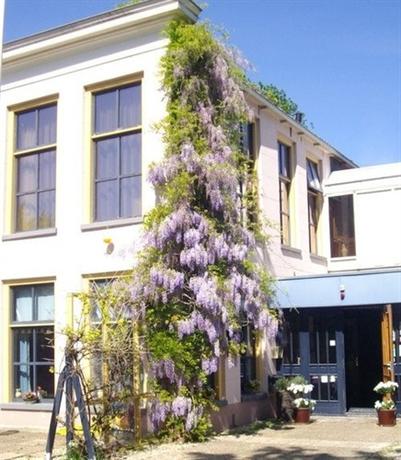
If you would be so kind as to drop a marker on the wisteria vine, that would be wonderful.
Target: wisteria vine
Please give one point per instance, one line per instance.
(196, 282)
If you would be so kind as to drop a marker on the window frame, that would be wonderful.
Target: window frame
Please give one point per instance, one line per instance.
(17, 153)
(334, 238)
(119, 133)
(34, 326)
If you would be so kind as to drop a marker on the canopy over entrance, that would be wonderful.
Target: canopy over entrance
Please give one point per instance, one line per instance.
(340, 289)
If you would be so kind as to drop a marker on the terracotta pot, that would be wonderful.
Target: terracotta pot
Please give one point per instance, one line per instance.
(302, 415)
(386, 417)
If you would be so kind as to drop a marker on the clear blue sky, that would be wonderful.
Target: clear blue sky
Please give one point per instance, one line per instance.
(340, 60)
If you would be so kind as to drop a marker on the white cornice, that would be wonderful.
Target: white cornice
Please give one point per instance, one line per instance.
(115, 21)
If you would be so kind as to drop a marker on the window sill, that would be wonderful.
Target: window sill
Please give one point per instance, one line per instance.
(27, 407)
(290, 251)
(111, 224)
(342, 259)
(220, 402)
(318, 259)
(258, 396)
(30, 234)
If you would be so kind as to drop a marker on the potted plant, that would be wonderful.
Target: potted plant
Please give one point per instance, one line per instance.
(303, 406)
(303, 409)
(386, 410)
(30, 397)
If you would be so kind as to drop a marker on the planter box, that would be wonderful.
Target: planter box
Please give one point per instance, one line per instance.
(386, 417)
(302, 415)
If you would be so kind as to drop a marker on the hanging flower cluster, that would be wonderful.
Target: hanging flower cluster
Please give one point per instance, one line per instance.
(196, 282)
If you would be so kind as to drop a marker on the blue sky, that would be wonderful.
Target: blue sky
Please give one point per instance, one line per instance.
(340, 60)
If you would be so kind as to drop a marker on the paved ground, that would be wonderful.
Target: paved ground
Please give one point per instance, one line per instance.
(24, 444)
(324, 439)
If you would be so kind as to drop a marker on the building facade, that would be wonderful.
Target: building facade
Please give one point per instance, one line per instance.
(343, 327)
(78, 106)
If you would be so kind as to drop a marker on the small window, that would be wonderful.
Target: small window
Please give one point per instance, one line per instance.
(324, 387)
(36, 168)
(117, 138)
(248, 360)
(322, 341)
(33, 336)
(342, 233)
(314, 204)
(313, 176)
(284, 155)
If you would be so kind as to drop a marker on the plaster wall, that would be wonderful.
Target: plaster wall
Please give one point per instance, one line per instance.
(377, 216)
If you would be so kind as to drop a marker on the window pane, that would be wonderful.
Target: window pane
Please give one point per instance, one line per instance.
(27, 173)
(45, 302)
(26, 212)
(131, 196)
(332, 347)
(284, 160)
(44, 345)
(23, 304)
(107, 158)
(333, 387)
(47, 125)
(23, 378)
(47, 170)
(107, 200)
(46, 210)
(106, 118)
(130, 106)
(322, 346)
(23, 345)
(131, 154)
(324, 387)
(342, 234)
(45, 380)
(315, 380)
(26, 130)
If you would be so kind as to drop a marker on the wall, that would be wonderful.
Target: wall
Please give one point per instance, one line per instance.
(74, 251)
(377, 215)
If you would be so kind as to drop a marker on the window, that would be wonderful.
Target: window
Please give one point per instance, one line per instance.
(284, 154)
(32, 339)
(290, 338)
(342, 234)
(314, 203)
(117, 150)
(248, 360)
(322, 341)
(35, 153)
(248, 186)
(324, 387)
(337, 165)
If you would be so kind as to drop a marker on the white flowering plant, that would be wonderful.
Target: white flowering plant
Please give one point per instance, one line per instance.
(386, 387)
(304, 403)
(385, 405)
(298, 388)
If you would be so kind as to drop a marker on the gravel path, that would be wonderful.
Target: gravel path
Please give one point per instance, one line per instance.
(326, 438)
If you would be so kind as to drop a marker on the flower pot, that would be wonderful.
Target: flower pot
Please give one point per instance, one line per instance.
(302, 415)
(387, 417)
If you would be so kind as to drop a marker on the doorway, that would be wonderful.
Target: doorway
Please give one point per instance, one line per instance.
(363, 355)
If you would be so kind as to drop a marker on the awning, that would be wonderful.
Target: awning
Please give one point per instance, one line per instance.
(358, 287)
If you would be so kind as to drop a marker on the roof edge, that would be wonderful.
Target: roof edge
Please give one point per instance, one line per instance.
(190, 8)
(269, 105)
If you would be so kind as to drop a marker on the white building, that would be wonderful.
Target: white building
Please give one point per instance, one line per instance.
(77, 100)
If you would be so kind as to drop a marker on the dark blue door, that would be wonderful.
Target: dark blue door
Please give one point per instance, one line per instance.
(314, 348)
